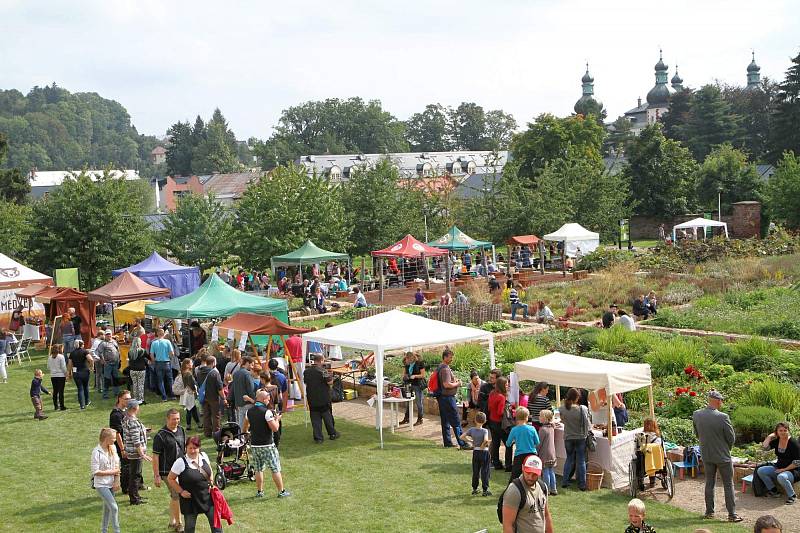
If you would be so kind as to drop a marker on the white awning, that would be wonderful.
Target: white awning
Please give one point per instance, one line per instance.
(575, 371)
(575, 236)
(700, 223)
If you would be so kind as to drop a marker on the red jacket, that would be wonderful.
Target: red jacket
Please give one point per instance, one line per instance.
(221, 509)
(497, 402)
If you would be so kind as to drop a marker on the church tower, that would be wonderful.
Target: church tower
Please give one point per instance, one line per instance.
(586, 102)
(753, 74)
(676, 81)
(658, 97)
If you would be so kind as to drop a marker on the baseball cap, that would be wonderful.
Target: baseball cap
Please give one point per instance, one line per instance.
(133, 403)
(715, 395)
(108, 332)
(532, 465)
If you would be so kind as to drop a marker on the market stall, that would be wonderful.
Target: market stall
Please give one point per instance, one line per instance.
(308, 254)
(129, 312)
(699, 223)
(614, 452)
(126, 287)
(157, 271)
(14, 275)
(408, 248)
(395, 330)
(575, 237)
(61, 299)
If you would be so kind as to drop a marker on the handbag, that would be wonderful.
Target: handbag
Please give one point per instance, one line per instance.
(591, 440)
(507, 421)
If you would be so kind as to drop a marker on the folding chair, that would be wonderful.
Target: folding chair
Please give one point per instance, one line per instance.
(22, 350)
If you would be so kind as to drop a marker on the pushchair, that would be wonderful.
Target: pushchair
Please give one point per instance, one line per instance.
(651, 460)
(233, 455)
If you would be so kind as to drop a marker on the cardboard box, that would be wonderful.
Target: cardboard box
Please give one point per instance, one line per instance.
(350, 394)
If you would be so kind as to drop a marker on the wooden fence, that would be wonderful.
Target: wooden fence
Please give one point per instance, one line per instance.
(466, 314)
(372, 310)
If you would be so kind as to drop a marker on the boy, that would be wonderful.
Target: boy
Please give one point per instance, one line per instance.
(636, 518)
(547, 449)
(480, 453)
(767, 524)
(526, 439)
(36, 394)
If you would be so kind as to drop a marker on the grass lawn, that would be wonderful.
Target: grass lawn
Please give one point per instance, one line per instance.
(349, 484)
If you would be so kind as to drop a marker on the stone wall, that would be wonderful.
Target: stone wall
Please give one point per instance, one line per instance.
(744, 222)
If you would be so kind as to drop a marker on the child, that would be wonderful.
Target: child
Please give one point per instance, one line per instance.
(547, 449)
(5, 350)
(636, 518)
(186, 387)
(480, 453)
(768, 524)
(526, 439)
(36, 394)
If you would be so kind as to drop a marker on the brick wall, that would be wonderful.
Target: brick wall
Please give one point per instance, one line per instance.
(744, 222)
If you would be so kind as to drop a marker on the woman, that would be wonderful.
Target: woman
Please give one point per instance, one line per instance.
(497, 404)
(185, 387)
(58, 375)
(17, 320)
(414, 373)
(67, 331)
(137, 364)
(105, 477)
(190, 477)
(650, 435)
(470, 407)
(784, 471)
(537, 401)
(576, 422)
(79, 369)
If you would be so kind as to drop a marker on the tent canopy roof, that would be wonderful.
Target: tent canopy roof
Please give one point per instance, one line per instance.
(573, 371)
(409, 247)
(522, 240)
(701, 223)
(571, 232)
(394, 330)
(455, 239)
(215, 298)
(127, 287)
(154, 264)
(32, 290)
(260, 325)
(127, 313)
(307, 253)
(14, 274)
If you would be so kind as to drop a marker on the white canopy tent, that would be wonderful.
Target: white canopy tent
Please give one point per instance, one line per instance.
(699, 223)
(575, 236)
(395, 330)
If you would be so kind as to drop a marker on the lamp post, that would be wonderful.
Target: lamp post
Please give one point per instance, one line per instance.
(719, 203)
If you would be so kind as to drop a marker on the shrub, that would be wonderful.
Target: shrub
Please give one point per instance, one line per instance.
(674, 355)
(680, 292)
(597, 354)
(496, 325)
(785, 329)
(677, 430)
(630, 345)
(603, 258)
(675, 319)
(683, 403)
(754, 354)
(587, 339)
(775, 394)
(514, 351)
(559, 340)
(754, 422)
(470, 357)
(745, 300)
(636, 400)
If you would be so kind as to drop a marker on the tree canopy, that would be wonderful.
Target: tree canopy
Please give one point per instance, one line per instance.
(204, 148)
(783, 191)
(785, 134)
(727, 171)
(198, 232)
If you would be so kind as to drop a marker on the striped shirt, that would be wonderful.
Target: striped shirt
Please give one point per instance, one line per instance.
(513, 297)
(538, 404)
(133, 436)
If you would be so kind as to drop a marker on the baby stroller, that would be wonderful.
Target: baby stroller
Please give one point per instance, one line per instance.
(650, 460)
(233, 457)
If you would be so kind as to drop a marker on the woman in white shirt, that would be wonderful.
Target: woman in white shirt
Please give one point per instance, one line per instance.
(190, 476)
(105, 477)
(57, 366)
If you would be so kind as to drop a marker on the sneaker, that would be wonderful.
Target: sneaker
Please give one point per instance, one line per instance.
(708, 516)
(475, 491)
(284, 494)
(773, 493)
(88, 404)
(487, 492)
(735, 518)
(554, 492)
(260, 494)
(791, 500)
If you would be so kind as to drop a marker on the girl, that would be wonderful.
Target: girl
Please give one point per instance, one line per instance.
(57, 366)
(547, 449)
(105, 477)
(186, 386)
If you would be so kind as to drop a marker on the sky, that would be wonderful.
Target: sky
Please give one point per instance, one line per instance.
(170, 61)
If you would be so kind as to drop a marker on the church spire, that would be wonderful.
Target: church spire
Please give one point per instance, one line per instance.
(677, 81)
(753, 74)
(659, 94)
(586, 102)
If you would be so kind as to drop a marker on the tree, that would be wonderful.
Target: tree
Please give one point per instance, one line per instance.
(428, 131)
(680, 108)
(754, 107)
(14, 184)
(277, 213)
(198, 232)
(468, 122)
(727, 172)
(783, 191)
(180, 149)
(661, 174)
(619, 137)
(15, 226)
(500, 128)
(549, 138)
(709, 122)
(93, 225)
(216, 150)
(786, 116)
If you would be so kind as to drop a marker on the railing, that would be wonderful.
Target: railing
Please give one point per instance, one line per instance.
(373, 310)
(466, 314)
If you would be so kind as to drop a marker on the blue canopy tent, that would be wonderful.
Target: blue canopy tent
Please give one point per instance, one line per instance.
(157, 271)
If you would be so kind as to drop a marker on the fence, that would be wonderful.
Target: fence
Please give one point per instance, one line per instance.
(466, 314)
(373, 310)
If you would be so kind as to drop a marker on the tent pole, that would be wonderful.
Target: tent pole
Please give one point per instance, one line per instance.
(425, 268)
(304, 352)
(558, 396)
(610, 427)
(483, 261)
(650, 400)
(564, 258)
(380, 279)
(448, 271)
(379, 383)
(541, 256)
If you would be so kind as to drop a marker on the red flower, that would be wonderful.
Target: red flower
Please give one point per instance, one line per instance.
(660, 404)
(692, 393)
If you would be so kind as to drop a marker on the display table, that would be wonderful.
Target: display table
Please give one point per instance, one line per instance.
(393, 403)
(614, 457)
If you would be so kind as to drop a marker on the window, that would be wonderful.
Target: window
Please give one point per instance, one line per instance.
(427, 170)
(335, 173)
(471, 167)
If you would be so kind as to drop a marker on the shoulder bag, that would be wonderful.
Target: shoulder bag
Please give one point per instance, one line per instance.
(591, 440)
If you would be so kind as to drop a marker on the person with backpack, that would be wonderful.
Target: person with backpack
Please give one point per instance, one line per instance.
(498, 401)
(445, 388)
(523, 507)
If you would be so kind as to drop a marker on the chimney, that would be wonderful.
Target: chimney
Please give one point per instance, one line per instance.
(639, 102)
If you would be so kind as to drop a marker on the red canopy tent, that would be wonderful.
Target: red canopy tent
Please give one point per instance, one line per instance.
(260, 325)
(409, 247)
(32, 290)
(127, 287)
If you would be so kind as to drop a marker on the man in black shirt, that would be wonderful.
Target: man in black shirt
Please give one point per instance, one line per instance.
(262, 423)
(318, 395)
(609, 316)
(169, 444)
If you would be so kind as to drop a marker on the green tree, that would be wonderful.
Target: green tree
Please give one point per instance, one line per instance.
(500, 128)
(754, 107)
(14, 184)
(661, 174)
(277, 213)
(428, 131)
(468, 123)
(783, 191)
(619, 137)
(785, 134)
(726, 171)
(216, 150)
(591, 107)
(710, 122)
(15, 227)
(548, 138)
(93, 225)
(180, 149)
(680, 108)
(198, 232)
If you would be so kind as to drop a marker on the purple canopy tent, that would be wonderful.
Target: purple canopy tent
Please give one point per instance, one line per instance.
(157, 271)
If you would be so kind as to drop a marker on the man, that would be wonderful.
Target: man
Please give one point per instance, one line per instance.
(494, 285)
(448, 410)
(209, 375)
(169, 445)
(262, 423)
(609, 315)
(135, 440)
(361, 300)
(462, 299)
(715, 432)
(162, 351)
(483, 405)
(243, 390)
(108, 352)
(280, 380)
(115, 422)
(513, 300)
(318, 394)
(531, 514)
(76, 320)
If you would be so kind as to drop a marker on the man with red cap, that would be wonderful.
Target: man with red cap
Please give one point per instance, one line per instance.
(525, 506)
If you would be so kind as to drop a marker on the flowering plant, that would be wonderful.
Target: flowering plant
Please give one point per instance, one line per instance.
(694, 373)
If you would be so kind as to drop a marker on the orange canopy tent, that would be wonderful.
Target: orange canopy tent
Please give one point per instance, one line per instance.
(127, 287)
(62, 298)
(522, 240)
(260, 325)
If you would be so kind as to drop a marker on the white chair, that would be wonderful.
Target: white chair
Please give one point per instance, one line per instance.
(22, 350)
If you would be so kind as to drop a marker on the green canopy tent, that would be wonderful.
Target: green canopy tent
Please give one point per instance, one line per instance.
(214, 299)
(457, 240)
(308, 254)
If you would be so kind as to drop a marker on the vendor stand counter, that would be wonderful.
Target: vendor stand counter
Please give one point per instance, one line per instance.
(614, 456)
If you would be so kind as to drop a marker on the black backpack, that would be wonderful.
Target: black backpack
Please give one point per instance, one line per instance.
(517, 482)
(337, 390)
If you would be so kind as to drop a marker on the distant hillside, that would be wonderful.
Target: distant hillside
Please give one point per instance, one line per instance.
(53, 129)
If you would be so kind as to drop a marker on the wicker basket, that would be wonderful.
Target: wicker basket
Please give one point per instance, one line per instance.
(594, 476)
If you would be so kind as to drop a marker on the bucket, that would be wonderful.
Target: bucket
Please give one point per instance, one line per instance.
(594, 476)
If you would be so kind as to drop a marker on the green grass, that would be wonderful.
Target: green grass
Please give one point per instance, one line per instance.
(349, 484)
